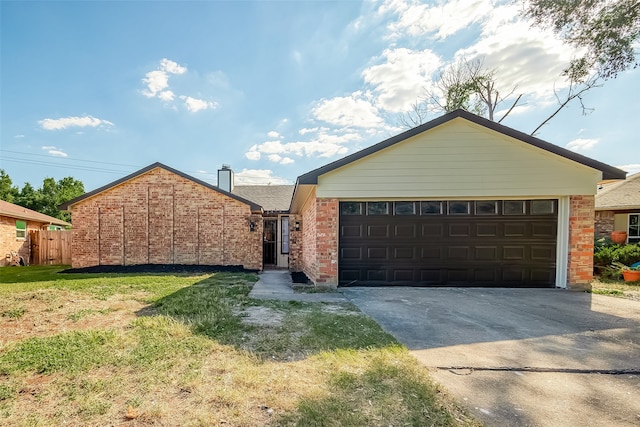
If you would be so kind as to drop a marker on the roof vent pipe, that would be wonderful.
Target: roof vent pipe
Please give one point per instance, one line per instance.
(225, 178)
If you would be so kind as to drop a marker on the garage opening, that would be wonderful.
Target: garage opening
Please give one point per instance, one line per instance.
(501, 243)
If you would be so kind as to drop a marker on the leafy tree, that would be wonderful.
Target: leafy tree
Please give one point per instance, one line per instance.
(47, 198)
(606, 29)
(8, 192)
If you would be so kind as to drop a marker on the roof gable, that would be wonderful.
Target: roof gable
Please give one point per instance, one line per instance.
(608, 172)
(15, 211)
(65, 206)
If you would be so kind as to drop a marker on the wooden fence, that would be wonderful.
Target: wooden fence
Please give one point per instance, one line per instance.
(50, 247)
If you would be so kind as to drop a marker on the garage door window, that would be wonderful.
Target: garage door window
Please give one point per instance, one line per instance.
(351, 208)
(404, 208)
(430, 208)
(487, 207)
(542, 207)
(377, 208)
(513, 207)
(459, 208)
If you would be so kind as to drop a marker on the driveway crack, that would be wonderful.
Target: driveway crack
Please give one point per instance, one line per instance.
(470, 369)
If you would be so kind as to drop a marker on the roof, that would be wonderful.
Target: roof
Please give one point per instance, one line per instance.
(19, 212)
(65, 206)
(608, 172)
(272, 198)
(620, 194)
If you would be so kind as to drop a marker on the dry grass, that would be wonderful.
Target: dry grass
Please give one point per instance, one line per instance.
(196, 351)
(617, 288)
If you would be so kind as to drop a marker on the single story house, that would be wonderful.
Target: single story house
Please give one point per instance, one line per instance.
(457, 201)
(618, 208)
(15, 224)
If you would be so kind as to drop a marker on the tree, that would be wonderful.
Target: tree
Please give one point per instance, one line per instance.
(606, 29)
(466, 85)
(8, 192)
(47, 198)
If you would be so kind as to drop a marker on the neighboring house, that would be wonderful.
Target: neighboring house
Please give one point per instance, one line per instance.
(15, 224)
(618, 208)
(457, 201)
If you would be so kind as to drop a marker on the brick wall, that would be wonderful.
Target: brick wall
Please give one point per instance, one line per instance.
(9, 242)
(295, 243)
(604, 223)
(309, 257)
(327, 241)
(162, 218)
(581, 239)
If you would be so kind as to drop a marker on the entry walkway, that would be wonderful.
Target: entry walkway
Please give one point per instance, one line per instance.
(277, 285)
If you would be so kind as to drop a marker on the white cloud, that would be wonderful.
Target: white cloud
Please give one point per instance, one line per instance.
(582, 144)
(74, 121)
(279, 159)
(166, 95)
(19, 136)
(54, 151)
(258, 177)
(440, 20)
(194, 105)
(400, 79)
(273, 134)
(253, 154)
(156, 82)
(354, 110)
(172, 67)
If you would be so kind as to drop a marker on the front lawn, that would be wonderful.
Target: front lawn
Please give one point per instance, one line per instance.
(195, 350)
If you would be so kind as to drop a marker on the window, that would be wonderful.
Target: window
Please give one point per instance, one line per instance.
(377, 208)
(430, 208)
(459, 208)
(284, 226)
(487, 207)
(351, 208)
(21, 230)
(513, 207)
(405, 208)
(542, 207)
(634, 228)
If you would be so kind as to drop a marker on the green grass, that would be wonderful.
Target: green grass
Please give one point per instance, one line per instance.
(14, 313)
(191, 358)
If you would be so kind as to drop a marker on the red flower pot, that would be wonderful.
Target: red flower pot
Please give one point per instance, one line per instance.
(631, 275)
(619, 237)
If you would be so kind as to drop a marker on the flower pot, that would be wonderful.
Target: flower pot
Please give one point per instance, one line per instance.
(619, 237)
(631, 275)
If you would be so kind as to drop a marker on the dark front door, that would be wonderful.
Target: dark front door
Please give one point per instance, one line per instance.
(448, 243)
(269, 242)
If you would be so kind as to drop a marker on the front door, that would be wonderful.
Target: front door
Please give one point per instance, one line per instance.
(269, 242)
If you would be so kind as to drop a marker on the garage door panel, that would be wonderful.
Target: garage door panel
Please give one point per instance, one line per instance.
(507, 247)
(432, 230)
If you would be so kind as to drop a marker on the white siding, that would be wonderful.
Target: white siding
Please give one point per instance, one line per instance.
(459, 159)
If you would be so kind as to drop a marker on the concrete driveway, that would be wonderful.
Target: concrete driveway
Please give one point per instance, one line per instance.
(521, 357)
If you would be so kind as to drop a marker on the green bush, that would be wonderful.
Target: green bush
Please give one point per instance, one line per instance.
(606, 253)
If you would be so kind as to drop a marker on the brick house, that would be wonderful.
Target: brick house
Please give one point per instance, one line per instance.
(457, 201)
(15, 224)
(618, 208)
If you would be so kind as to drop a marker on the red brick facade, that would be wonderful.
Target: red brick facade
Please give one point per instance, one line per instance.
(162, 218)
(604, 223)
(320, 240)
(581, 240)
(10, 243)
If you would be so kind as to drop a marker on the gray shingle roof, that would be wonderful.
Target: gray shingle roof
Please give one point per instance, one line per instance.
(620, 195)
(274, 198)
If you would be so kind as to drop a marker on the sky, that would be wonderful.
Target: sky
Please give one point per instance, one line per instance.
(99, 89)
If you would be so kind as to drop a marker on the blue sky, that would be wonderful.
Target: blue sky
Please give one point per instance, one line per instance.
(97, 90)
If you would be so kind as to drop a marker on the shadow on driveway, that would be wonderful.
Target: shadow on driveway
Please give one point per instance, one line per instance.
(521, 357)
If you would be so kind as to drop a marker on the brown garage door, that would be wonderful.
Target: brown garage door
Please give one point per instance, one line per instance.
(448, 243)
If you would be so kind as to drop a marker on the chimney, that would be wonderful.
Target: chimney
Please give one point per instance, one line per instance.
(225, 178)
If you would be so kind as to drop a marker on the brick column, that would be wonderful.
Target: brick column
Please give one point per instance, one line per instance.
(327, 241)
(581, 236)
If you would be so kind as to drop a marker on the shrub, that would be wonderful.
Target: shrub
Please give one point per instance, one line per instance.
(606, 253)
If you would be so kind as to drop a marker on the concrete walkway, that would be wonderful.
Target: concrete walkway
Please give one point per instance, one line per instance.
(277, 285)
